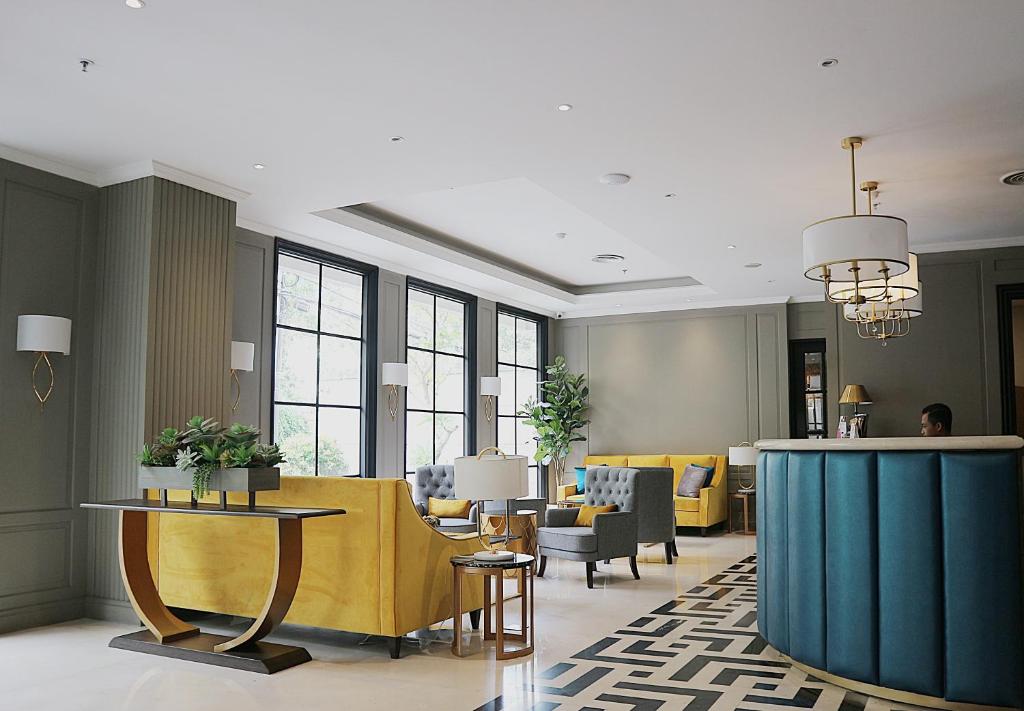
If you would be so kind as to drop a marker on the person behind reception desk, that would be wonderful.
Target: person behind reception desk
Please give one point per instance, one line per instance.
(936, 420)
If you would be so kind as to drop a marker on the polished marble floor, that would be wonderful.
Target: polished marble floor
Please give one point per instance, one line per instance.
(68, 666)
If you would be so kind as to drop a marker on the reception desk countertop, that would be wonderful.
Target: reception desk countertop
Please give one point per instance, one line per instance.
(890, 444)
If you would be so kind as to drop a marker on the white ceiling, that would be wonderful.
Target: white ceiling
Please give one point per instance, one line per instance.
(722, 103)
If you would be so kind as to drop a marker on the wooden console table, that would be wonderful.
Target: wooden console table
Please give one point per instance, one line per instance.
(168, 636)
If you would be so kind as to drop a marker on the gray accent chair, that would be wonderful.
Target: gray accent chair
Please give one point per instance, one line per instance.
(612, 535)
(657, 521)
(523, 504)
(438, 481)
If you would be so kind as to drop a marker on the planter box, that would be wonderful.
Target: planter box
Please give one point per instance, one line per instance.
(263, 479)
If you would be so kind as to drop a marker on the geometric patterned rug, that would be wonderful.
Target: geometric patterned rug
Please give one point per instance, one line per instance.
(698, 652)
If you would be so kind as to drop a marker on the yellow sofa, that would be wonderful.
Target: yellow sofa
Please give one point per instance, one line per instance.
(379, 569)
(712, 507)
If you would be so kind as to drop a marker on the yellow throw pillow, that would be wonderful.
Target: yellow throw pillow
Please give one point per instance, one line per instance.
(448, 508)
(587, 513)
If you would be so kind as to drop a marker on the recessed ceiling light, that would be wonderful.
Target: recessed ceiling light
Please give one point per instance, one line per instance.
(560, 235)
(135, 4)
(618, 306)
(730, 246)
(690, 299)
(1015, 178)
(752, 265)
(397, 139)
(670, 195)
(829, 62)
(615, 179)
(258, 166)
(771, 281)
(607, 258)
(565, 107)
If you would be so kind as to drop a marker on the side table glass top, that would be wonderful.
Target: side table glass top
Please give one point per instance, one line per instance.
(521, 560)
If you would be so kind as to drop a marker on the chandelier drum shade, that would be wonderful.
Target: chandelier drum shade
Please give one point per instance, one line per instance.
(836, 248)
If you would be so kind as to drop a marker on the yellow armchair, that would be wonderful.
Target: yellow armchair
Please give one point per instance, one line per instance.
(379, 569)
(709, 509)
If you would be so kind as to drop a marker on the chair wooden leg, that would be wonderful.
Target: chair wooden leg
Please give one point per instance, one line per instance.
(543, 565)
(474, 619)
(632, 566)
(395, 647)
(668, 553)
(590, 575)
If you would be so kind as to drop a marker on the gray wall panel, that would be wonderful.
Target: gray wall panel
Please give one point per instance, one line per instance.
(252, 322)
(48, 227)
(391, 349)
(487, 364)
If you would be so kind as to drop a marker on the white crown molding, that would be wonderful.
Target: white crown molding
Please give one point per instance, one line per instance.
(675, 306)
(809, 299)
(48, 164)
(963, 245)
(146, 168)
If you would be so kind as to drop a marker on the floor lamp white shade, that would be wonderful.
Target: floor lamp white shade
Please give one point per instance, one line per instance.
(242, 355)
(44, 334)
(743, 456)
(491, 477)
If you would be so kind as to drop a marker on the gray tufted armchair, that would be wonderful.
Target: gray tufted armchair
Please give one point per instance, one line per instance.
(438, 481)
(613, 535)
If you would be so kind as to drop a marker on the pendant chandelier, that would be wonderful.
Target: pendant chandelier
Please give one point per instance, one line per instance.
(865, 264)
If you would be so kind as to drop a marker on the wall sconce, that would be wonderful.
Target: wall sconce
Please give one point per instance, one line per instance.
(393, 376)
(44, 335)
(242, 357)
(490, 388)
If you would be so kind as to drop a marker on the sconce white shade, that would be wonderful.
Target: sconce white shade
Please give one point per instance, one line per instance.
(743, 456)
(395, 374)
(242, 355)
(44, 334)
(491, 477)
(490, 385)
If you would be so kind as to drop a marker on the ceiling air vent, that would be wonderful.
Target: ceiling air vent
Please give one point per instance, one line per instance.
(608, 258)
(1016, 178)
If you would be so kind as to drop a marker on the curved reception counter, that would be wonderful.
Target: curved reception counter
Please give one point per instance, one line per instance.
(893, 566)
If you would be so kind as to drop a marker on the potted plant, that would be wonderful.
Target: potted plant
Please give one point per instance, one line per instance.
(558, 417)
(206, 457)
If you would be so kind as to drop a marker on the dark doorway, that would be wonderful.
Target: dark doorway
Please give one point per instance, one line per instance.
(1010, 300)
(807, 396)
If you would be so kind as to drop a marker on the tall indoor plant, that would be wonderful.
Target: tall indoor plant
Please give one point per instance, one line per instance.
(558, 417)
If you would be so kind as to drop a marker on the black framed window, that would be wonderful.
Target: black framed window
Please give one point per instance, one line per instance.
(521, 358)
(324, 344)
(440, 340)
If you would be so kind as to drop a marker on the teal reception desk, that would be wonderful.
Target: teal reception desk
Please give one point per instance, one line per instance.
(893, 566)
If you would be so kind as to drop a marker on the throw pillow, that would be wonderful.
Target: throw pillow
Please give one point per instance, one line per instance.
(710, 475)
(587, 513)
(692, 481)
(448, 508)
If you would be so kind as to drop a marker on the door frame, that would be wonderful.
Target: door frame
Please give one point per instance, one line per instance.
(1006, 294)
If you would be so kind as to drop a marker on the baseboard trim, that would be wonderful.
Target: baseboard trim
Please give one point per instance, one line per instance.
(40, 614)
(99, 608)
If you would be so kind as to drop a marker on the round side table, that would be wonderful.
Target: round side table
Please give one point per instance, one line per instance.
(745, 497)
(495, 572)
(523, 530)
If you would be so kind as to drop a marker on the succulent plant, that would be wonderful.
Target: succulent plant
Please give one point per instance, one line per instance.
(203, 446)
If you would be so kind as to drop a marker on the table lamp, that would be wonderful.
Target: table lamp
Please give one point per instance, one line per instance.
(492, 477)
(857, 395)
(744, 456)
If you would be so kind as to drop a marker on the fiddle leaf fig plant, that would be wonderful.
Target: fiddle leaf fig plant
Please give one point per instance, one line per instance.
(203, 447)
(559, 416)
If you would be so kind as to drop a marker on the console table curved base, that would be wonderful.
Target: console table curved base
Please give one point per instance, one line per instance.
(258, 657)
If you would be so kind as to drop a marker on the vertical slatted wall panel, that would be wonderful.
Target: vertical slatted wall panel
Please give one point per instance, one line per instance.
(119, 382)
(189, 307)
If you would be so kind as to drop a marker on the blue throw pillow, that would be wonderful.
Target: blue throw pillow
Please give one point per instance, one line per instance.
(709, 476)
(581, 479)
